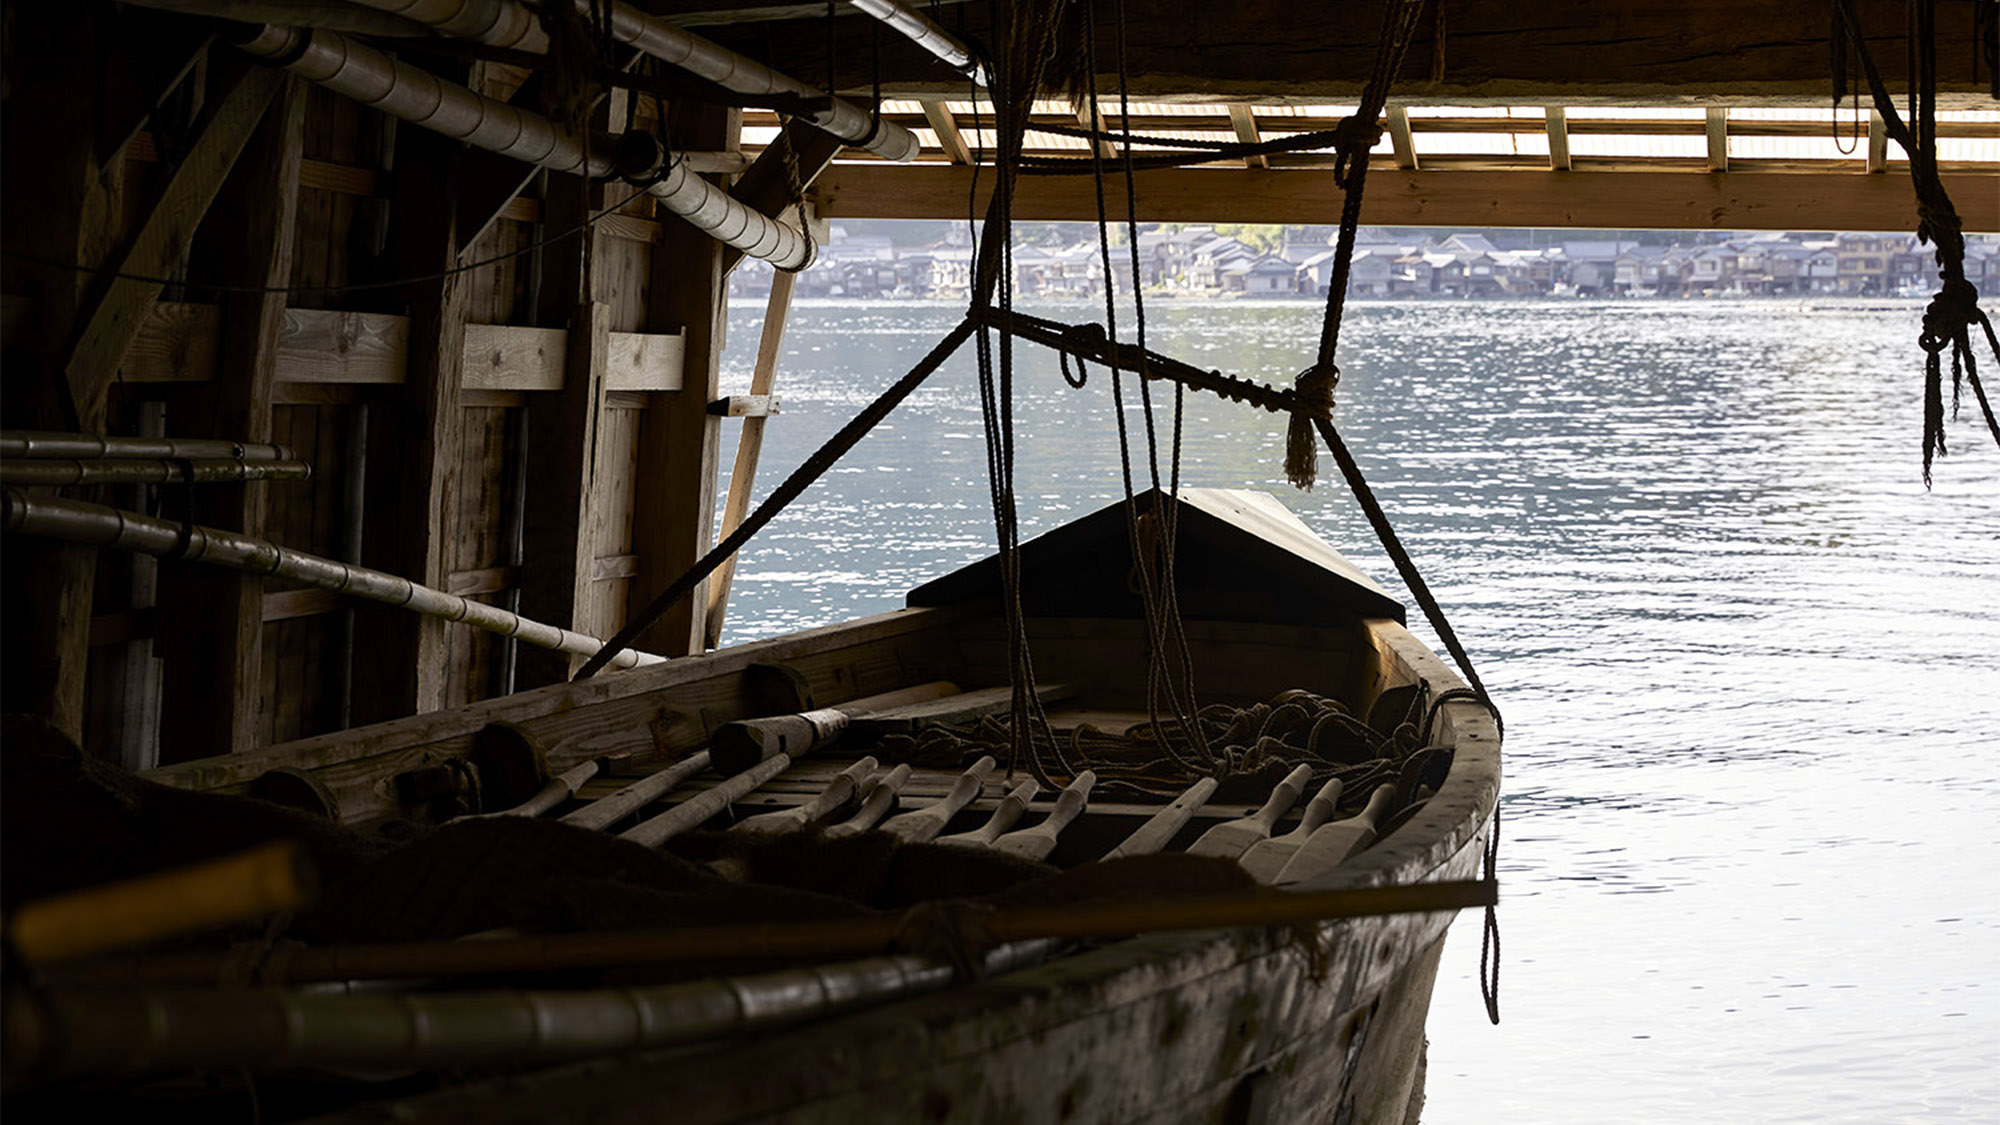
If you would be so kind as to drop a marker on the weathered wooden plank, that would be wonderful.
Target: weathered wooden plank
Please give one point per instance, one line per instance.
(1245, 124)
(644, 361)
(767, 187)
(176, 343)
(508, 358)
(284, 605)
(160, 245)
(1398, 125)
(329, 346)
(1624, 200)
(609, 567)
(1716, 128)
(213, 653)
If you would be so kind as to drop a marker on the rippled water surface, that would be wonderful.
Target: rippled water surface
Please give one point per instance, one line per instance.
(1748, 664)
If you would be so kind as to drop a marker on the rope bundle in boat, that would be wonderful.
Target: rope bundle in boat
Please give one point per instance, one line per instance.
(1248, 747)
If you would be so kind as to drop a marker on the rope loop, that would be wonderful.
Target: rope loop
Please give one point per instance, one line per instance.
(1312, 395)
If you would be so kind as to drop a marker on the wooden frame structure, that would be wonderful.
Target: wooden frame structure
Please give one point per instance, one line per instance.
(533, 420)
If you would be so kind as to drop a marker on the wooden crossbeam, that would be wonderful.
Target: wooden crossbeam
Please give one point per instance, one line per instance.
(1616, 200)
(1717, 129)
(1878, 143)
(161, 244)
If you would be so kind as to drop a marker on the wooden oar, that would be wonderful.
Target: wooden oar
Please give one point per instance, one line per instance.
(1039, 841)
(879, 799)
(607, 811)
(834, 797)
(696, 810)
(1268, 857)
(1164, 825)
(740, 745)
(1231, 839)
(919, 825)
(557, 790)
(1004, 815)
(1332, 843)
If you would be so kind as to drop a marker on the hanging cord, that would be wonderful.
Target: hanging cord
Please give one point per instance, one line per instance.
(1954, 310)
(1151, 554)
(1359, 134)
(802, 478)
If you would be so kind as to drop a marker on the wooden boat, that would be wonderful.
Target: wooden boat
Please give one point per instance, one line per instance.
(1243, 1023)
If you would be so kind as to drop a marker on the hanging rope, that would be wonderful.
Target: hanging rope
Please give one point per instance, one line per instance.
(1354, 139)
(1954, 310)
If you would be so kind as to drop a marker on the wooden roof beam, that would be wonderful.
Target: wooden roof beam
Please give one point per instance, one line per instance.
(1689, 200)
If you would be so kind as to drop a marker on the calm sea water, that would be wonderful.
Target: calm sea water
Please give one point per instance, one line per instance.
(1749, 665)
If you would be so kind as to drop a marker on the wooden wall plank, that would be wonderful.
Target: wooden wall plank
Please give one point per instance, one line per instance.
(508, 358)
(333, 346)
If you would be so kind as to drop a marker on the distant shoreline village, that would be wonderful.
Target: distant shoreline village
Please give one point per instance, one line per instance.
(877, 259)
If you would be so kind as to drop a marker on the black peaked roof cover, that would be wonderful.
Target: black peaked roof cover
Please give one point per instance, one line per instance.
(1241, 556)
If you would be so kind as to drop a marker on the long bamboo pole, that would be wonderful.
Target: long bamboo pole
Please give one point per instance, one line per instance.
(68, 471)
(62, 1033)
(846, 937)
(75, 521)
(43, 444)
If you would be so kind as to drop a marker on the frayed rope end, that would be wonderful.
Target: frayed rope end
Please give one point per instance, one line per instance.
(1313, 394)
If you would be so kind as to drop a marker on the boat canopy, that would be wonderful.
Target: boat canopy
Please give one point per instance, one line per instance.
(1240, 554)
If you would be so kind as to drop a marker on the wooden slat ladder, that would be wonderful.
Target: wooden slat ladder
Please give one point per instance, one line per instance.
(749, 446)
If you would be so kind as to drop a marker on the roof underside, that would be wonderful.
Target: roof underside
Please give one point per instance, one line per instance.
(1575, 113)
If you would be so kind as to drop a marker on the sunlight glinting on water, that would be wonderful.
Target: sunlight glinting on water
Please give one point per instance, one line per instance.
(1748, 663)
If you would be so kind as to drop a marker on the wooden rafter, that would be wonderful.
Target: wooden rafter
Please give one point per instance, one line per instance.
(768, 186)
(1398, 121)
(946, 128)
(1716, 126)
(1245, 123)
(1557, 120)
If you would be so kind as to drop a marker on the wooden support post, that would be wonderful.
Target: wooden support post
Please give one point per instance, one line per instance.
(1718, 139)
(161, 244)
(1399, 137)
(946, 127)
(675, 505)
(1245, 122)
(1558, 127)
(777, 311)
(213, 648)
(1878, 143)
(413, 439)
(562, 448)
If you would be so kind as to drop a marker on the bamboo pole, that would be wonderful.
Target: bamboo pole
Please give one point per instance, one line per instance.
(42, 444)
(97, 525)
(68, 471)
(266, 880)
(845, 937)
(64, 1033)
